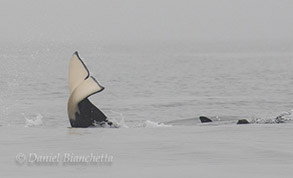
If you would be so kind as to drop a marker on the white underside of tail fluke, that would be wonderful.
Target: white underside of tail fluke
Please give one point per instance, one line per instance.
(78, 72)
(81, 85)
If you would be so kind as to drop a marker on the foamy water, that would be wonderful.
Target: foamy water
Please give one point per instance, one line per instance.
(154, 94)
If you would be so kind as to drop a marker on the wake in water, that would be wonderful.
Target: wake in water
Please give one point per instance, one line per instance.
(285, 117)
(152, 124)
(282, 118)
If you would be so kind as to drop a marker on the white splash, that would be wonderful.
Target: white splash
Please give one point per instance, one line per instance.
(121, 123)
(152, 124)
(117, 120)
(35, 121)
(282, 118)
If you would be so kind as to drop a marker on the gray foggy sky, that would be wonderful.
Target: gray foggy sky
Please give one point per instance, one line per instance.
(146, 20)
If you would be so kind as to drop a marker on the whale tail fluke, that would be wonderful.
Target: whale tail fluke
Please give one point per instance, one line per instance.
(81, 112)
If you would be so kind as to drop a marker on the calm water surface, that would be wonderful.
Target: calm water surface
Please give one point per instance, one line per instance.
(148, 84)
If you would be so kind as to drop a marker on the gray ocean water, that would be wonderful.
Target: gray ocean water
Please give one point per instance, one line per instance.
(158, 82)
(147, 84)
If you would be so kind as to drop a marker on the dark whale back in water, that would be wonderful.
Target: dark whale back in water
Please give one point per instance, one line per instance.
(242, 121)
(81, 112)
(204, 119)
